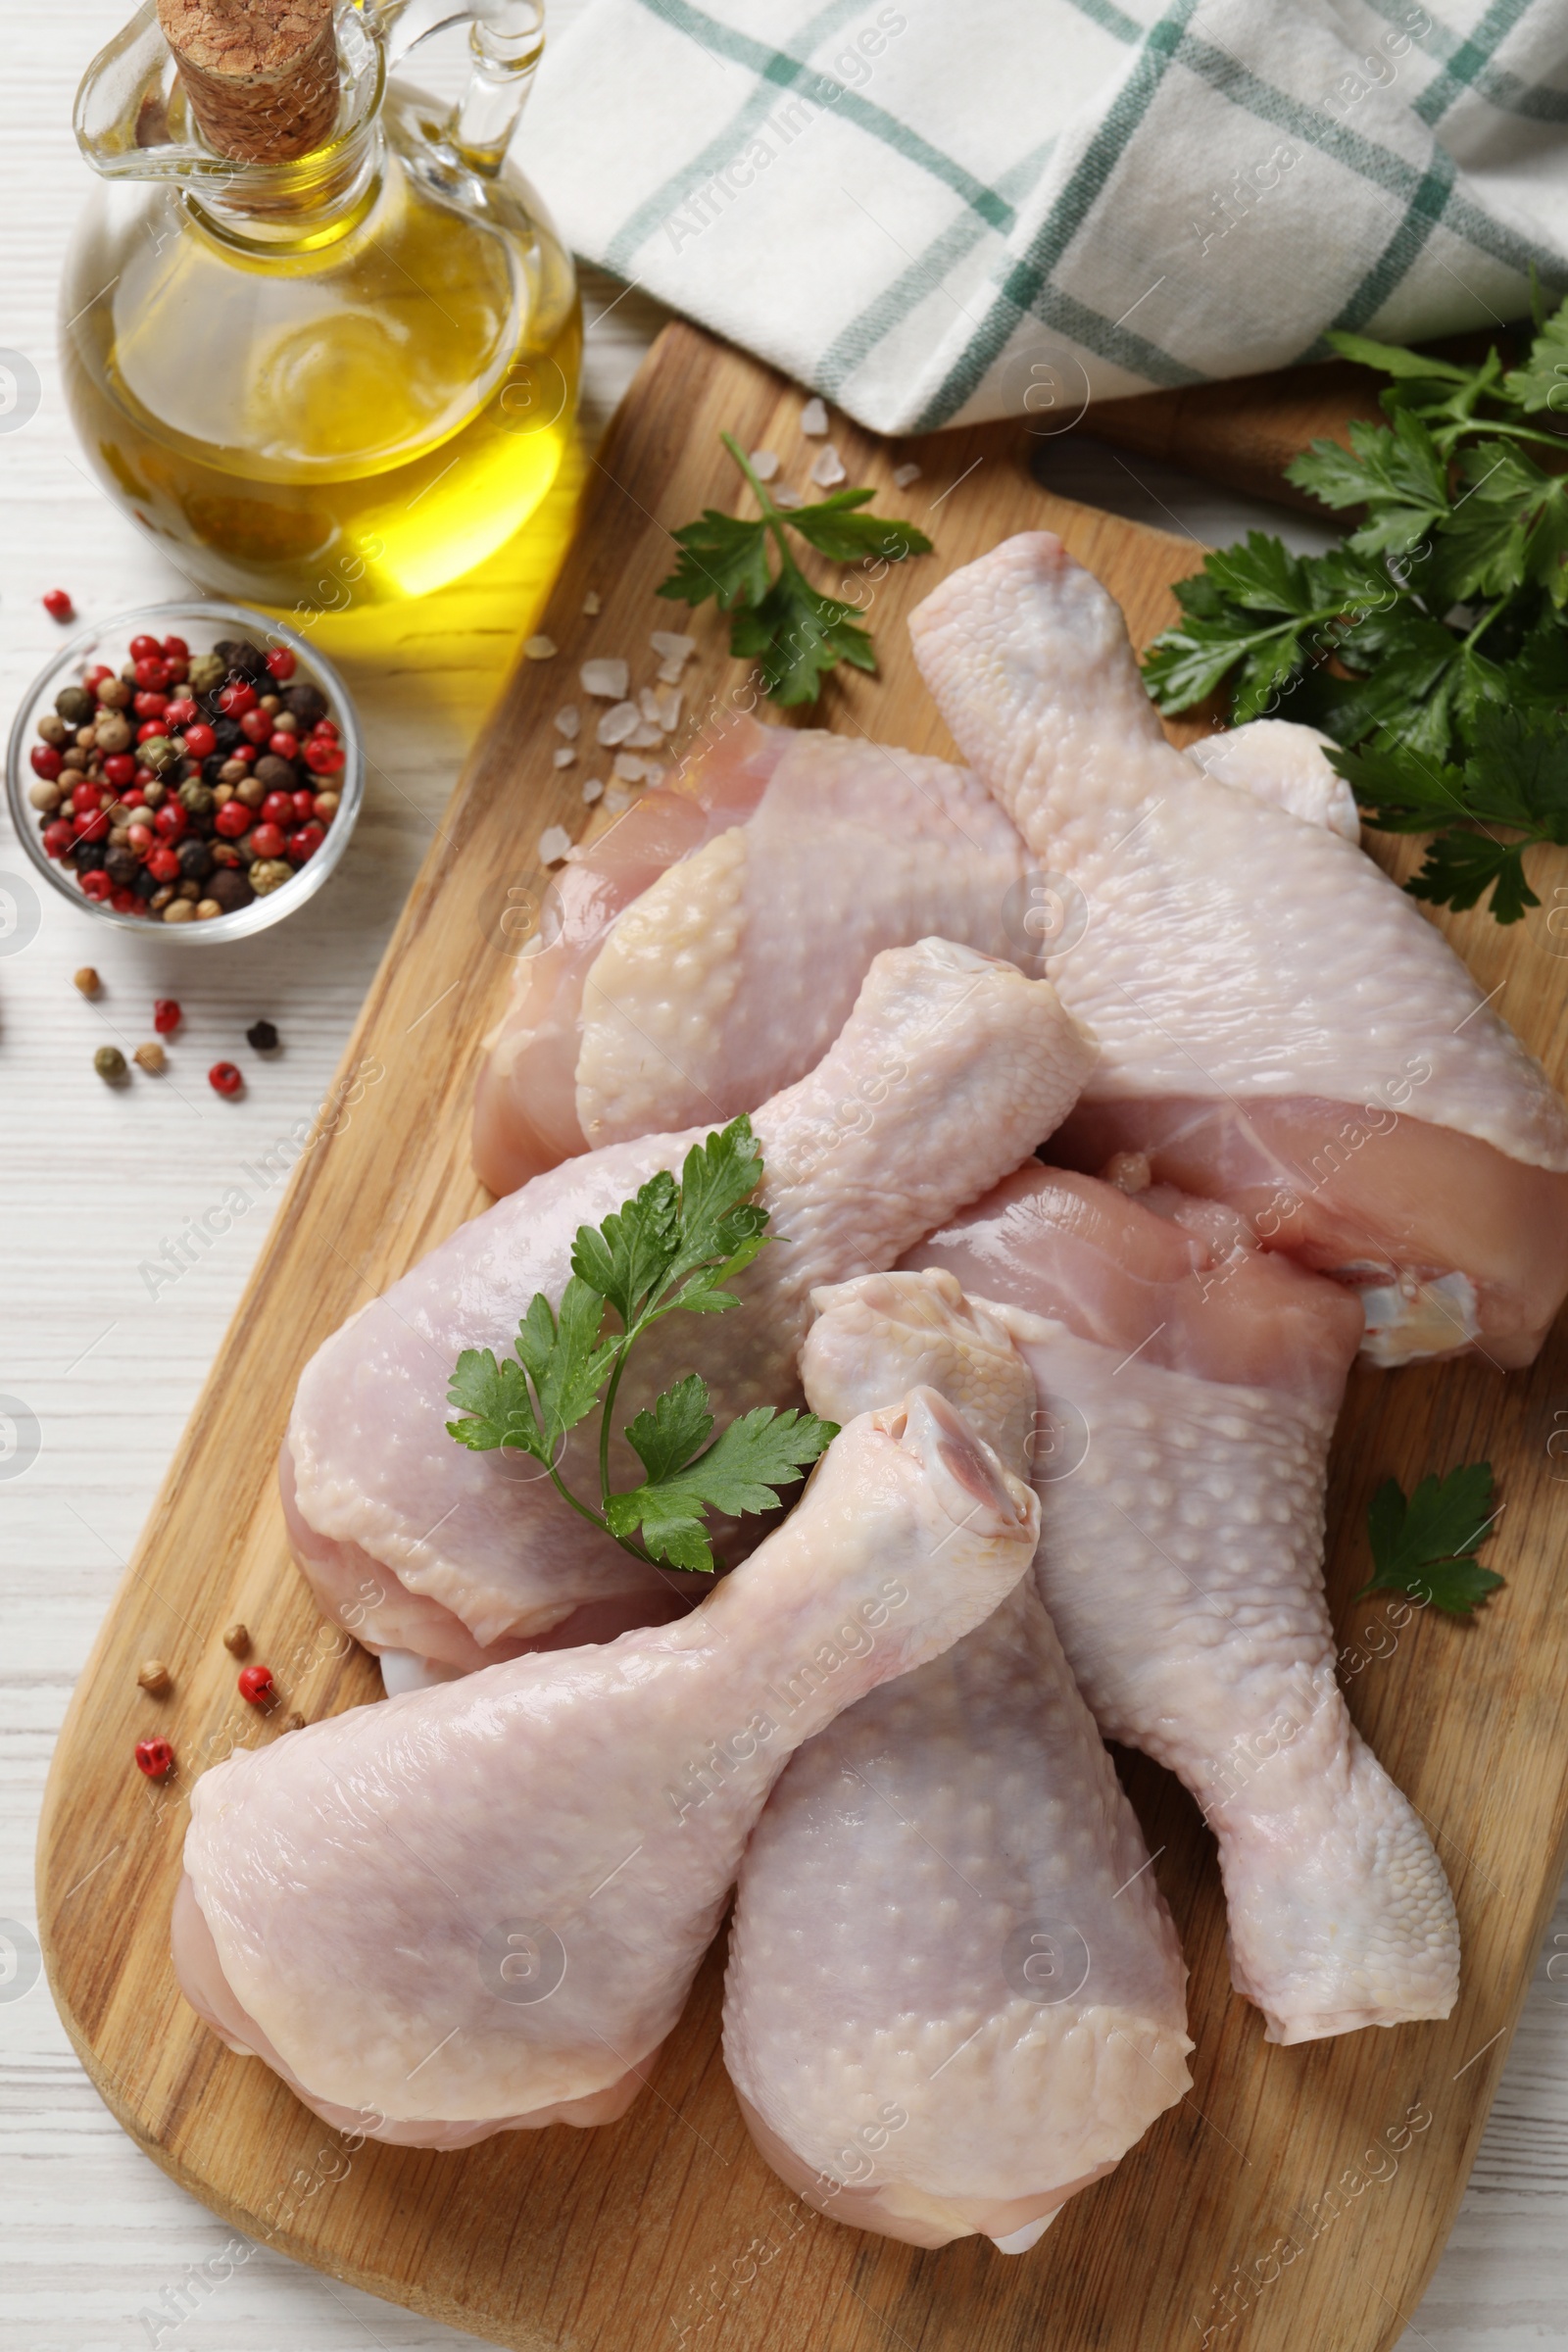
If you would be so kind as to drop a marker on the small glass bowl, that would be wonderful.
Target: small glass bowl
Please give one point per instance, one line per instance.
(199, 621)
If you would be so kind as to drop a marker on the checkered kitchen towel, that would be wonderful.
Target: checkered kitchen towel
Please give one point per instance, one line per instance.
(936, 210)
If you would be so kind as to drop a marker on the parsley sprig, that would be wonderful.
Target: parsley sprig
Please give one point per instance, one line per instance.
(793, 631)
(1433, 646)
(1425, 1546)
(672, 1250)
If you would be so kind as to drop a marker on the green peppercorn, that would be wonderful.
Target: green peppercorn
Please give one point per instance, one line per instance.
(207, 673)
(74, 704)
(158, 751)
(196, 797)
(110, 1064)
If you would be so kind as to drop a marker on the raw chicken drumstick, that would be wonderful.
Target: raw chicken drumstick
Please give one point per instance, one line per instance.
(1280, 1027)
(1189, 1388)
(949, 1070)
(707, 949)
(954, 1993)
(481, 1906)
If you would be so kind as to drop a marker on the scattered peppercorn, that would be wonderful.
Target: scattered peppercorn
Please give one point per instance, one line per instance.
(87, 980)
(255, 1685)
(236, 1638)
(110, 1064)
(166, 1015)
(262, 1037)
(57, 604)
(154, 1676)
(294, 1722)
(151, 1057)
(154, 1757)
(225, 1079)
(171, 742)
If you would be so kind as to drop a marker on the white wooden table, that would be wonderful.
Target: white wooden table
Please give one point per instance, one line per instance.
(97, 2244)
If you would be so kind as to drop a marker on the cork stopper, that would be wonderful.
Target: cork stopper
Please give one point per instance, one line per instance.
(261, 75)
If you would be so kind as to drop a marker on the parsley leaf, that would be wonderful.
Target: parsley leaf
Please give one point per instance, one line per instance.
(1426, 1545)
(1433, 647)
(673, 1248)
(794, 632)
(742, 1470)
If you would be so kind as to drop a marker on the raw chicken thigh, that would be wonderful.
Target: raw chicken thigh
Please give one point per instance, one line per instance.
(480, 1907)
(951, 1067)
(1280, 1026)
(955, 1995)
(706, 950)
(1188, 1387)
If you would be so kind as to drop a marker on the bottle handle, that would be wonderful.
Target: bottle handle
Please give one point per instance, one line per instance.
(506, 38)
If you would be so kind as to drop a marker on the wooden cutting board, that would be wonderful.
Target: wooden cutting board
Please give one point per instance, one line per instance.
(1297, 2196)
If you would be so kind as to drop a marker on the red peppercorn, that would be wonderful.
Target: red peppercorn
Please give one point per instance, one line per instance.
(172, 820)
(145, 776)
(255, 1681)
(257, 725)
(150, 705)
(145, 648)
(162, 866)
(147, 730)
(321, 758)
(236, 698)
(57, 604)
(200, 740)
(143, 839)
(284, 747)
(166, 1015)
(175, 648)
(46, 761)
(303, 804)
(58, 836)
(181, 711)
(97, 884)
(278, 809)
(233, 819)
(178, 673)
(324, 728)
(266, 841)
(305, 842)
(154, 1757)
(96, 675)
(280, 662)
(153, 674)
(120, 769)
(124, 901)
(92, 824)
(225, 1079)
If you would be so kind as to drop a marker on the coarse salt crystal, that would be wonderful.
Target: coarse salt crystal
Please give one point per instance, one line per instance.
(606, 681)
(653, 773)
(645, 738)
(553, 843)
(671, 671)
(814, 420)
(648, 704)
(670, 646)
(591, 605)
(617, 799)
(666, 709)
(828, 472)
(787, 498)
(565, 756)
(619, 724)
(628, 767)
(764, 465)
(904, 475)
(568, 722)
(594, 790)
(540, 649)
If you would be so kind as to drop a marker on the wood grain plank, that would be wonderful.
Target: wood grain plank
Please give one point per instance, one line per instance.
(667, 2224)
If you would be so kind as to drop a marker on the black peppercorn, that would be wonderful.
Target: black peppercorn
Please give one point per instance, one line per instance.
(145, 885)
(87, 857)
(278, 775)
(212, 767)
(263, 1036)
(121, 866)
(231, 889)
(195, 860)
(227, 733)
(306, 701)
(244, 659)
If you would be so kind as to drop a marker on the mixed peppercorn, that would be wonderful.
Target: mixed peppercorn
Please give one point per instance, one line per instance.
(189, 784)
